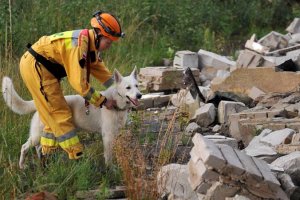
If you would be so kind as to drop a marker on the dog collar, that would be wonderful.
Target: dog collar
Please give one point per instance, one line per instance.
(120, 109)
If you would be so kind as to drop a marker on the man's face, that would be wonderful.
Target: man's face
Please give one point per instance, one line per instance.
(105, 43)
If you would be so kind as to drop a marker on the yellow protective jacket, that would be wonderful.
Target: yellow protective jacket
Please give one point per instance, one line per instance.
(70, 49)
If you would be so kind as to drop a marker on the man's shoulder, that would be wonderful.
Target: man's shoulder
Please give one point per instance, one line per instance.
(71, 39)
(70, 34)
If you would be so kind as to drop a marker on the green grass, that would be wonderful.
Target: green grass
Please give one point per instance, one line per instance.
(61, 176)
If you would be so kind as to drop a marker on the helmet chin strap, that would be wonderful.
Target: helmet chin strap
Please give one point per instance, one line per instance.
(98, 37)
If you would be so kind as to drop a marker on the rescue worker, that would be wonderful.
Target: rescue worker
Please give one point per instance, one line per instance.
(72, 54)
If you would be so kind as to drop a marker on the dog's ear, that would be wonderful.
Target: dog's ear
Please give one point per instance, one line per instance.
(118, 77)
(134, 73)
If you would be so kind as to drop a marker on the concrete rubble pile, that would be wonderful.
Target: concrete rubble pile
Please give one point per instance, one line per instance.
(246, 130)
(219, 171)
(155, 79)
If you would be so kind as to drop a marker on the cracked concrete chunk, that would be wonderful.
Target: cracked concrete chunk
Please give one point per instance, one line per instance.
(205, 115)
(173, 178)
(233, 165)
(185, 59)
(208, 152)
(227, 108)
(278, 137)
(294, 27)
(244, 79)
(274, 40)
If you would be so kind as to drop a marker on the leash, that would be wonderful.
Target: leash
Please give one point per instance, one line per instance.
(86, 103)
(120, 109)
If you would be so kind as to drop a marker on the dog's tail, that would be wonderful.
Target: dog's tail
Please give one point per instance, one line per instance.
(13, 100)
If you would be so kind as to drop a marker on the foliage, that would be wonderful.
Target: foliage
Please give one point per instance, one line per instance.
(152, 26)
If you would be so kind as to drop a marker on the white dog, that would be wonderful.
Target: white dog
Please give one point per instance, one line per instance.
(125, 92)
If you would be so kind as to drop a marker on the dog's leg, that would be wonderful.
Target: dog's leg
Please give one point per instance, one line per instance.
(38, 149)
(107, 143)
(36, 128)
(108, 124)
(24, 151)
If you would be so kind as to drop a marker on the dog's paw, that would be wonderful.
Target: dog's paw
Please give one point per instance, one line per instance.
(22, 165)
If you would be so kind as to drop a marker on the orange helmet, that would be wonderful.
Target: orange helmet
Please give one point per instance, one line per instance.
(108, 25)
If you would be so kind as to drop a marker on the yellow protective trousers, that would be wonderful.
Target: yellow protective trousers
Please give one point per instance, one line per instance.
(52, 108)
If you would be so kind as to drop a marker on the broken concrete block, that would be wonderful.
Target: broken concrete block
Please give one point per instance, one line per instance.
(283, 51)
(244, 79)
(294, 27)
(208, 152)
(254, 93)
(205, 115)
(295, 39)
(260, 150)
(255, 114)
(266, 172)
(269, 187)
(207, 93)
(203, 187)
(192, 128)
(153, 100)
(290, 164)
(220, 191)
(183, 99)
(243, 128)
(274, 40)
(226, 108)
(296, 138)
(154, 79)
(230, 168)
(210, 63)
(287, 148)
(289, 187)
(199, 174)
(278, 137)
(209, 59)
(234, 130)
(233, 166)
(253, 45)
(173, 178)
(256, 148)
(252, 175)
(216, 128)
(264, 192)
(291, 53)
(251, 59)
(184, 59)
(161, 101)
(220, 139)
(275, 113)
(222, 73)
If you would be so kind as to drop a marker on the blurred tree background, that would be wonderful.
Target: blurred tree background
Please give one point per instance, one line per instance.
(152, 26)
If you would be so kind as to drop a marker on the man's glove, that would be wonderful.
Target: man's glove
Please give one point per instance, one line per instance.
(96, 98)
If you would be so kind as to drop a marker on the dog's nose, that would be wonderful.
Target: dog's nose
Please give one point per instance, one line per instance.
(139, 96)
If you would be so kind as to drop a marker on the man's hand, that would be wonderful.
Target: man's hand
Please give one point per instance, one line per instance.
(110, 104)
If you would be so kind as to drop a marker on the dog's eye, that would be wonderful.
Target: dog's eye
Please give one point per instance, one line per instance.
(128, 87)
(136, 86)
